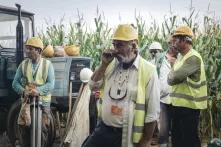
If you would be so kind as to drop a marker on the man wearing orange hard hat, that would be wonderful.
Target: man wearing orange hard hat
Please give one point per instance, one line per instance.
(189, 90)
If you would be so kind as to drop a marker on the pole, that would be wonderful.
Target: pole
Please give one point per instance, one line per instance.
(33, 132)
(19, 38)
(70, 101)
(39, 123)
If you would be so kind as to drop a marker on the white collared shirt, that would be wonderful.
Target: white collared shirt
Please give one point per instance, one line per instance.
(165, 89)
(152, 97)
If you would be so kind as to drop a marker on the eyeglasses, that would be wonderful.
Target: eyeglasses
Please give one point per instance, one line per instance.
(118, 44)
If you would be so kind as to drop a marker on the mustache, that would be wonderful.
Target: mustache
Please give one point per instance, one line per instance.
(123, 59)
(111, 54)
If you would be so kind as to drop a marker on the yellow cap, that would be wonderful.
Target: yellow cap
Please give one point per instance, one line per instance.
(72, 50)
(183, 31)
(125, 32)
(35, 42)
(48, 52)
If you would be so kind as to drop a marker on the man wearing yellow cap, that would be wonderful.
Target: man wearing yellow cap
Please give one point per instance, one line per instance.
(35, 77)
(189, 90)
(129, 92)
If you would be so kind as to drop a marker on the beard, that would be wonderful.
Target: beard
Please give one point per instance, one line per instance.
(124, 60)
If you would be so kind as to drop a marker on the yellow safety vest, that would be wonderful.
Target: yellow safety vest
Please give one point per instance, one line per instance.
(40, 77)
(145, 71)
(189, 93)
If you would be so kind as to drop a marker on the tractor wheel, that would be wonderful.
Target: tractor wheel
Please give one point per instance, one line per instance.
(3, 117)
(52, 131)
(13, 128)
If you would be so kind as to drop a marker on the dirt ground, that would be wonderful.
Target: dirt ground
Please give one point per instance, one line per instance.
(4, 142)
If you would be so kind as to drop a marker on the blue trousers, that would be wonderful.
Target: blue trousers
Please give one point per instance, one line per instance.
(104, 136)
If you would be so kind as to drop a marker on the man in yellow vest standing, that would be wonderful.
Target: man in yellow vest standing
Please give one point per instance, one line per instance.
(35, 77)
(129, 92)
(189, 90)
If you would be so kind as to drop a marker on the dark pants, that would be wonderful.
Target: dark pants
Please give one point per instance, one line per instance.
(185, 127)
(26, 131)
(165, 123)
(92, 113)
(104, 136)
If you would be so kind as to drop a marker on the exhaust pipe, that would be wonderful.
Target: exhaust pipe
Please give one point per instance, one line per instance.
(19, 38)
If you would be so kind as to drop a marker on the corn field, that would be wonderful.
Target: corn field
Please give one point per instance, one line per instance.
(207, 41)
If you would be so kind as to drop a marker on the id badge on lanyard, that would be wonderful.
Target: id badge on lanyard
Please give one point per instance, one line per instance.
(115, 110)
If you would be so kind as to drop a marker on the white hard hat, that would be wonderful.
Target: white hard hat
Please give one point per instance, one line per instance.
(155, 45)
(85, 75)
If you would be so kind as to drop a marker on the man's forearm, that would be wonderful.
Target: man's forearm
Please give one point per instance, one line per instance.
(99, 73)
(16, 84)
(17, 87)
(175, 77)
(148, 132)
(46, 88)
(191, 66)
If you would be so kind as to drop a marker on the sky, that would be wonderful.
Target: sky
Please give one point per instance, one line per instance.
(115, 11)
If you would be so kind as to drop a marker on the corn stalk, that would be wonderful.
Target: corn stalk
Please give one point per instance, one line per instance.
(207, 41)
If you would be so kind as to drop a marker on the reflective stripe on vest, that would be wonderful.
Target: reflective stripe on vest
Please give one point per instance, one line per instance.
(145, 71)
(40, 76)
(190, 94)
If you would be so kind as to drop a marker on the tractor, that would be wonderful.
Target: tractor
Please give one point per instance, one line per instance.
(16, 27)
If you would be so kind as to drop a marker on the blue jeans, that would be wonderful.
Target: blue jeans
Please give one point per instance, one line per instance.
(165, 123)
(104, 136)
